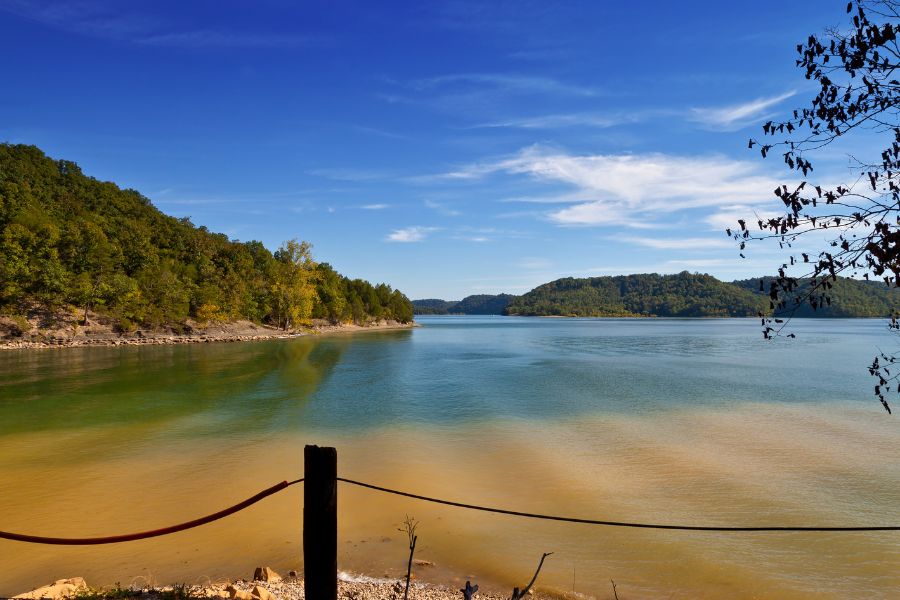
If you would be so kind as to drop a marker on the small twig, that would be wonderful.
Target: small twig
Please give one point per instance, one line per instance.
(614, 589)
(517, 595)
(411, 525)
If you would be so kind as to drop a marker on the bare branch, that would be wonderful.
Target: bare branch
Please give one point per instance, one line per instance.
(517, 595)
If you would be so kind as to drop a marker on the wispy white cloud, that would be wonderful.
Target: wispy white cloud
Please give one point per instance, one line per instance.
(479, 239)
(374, 206)
(727, 216)
(556, 198)
(632, 189)
(410, 234)
(554, 122)
(727, 118)
(482, 93)
(488, 234)
(694, 243)
(380, 132)
(79, 16)
(519, 84)
(109, 20)
(578, 119)
(737, 116)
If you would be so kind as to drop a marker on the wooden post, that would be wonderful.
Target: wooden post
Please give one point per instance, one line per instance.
(320, 523)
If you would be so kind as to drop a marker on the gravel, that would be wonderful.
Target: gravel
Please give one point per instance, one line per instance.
(363, 588)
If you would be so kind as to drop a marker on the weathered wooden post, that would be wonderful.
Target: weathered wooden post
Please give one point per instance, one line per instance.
(320, 523)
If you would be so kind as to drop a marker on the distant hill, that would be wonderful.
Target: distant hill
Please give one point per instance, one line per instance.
(692, 295)
(681, 295)
(848, 298)
(479, 304)
(484, 304)
(433, 306)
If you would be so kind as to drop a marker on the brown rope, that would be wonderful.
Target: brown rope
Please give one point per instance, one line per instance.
(114, 539)
(285, 484)
(516, 513)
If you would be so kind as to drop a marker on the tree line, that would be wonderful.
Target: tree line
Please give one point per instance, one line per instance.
(69, 241)
(695, 295)
(477, 304)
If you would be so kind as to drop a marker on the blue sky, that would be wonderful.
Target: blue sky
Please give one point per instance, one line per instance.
(445, 148)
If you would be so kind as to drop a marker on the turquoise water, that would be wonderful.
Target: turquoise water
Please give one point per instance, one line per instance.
(477, 368)
(664, 420)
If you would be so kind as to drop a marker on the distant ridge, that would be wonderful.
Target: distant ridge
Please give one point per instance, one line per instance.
(681, 295)
(433, 306)
(479, 304)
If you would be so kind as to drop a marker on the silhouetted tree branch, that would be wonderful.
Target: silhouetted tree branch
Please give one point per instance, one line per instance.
(859, 91)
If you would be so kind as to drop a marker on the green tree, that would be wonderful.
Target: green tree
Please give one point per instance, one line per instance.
(332, 303)
(88, 254)
(293, 284)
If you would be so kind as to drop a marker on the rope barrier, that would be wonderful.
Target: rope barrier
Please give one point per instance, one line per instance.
(152, 533)
(285, 484)
(516, 513)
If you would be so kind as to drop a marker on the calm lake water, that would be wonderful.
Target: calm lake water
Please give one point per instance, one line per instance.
(662, 420)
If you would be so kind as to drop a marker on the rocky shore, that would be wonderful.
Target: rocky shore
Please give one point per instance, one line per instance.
(266, 585)
(97, 333)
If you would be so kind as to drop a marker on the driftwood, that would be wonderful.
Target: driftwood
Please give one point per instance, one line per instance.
(517, 595)
(615, 593)
(469, 590)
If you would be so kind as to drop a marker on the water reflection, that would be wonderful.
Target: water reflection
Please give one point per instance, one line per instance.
(235, 387)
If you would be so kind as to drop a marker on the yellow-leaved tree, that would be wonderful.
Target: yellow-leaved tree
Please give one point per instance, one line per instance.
(293, 284)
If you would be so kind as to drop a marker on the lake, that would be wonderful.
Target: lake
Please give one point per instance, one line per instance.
(696, 422)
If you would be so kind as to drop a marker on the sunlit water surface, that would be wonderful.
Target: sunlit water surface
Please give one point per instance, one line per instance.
(667, 421)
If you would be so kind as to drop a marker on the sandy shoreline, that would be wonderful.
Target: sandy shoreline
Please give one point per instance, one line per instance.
(350, 587)
(241, 331)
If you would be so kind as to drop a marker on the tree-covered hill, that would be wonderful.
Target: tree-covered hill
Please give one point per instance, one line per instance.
(478, 304)
(484, 304)
(70, 241)
(681, 295)
(433, 306)
(846, 298)
(692, 295)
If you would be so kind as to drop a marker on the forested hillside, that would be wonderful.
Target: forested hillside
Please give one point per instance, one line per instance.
(846, 298)
(71, 242)
(692, 295)
(681, 295)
